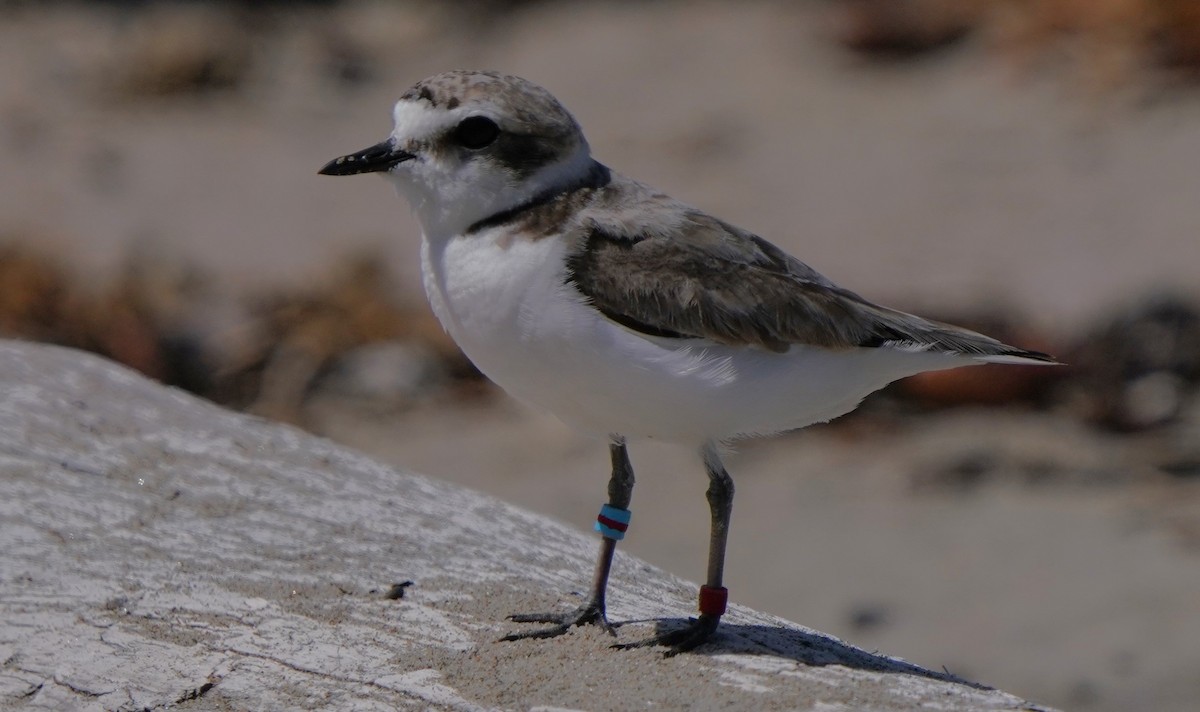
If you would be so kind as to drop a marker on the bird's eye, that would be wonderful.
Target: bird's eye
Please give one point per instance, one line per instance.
(476, 132)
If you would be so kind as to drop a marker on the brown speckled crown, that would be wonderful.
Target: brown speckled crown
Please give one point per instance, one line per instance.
(520, 101)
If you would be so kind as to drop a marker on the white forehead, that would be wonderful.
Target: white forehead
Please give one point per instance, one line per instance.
(417, 119)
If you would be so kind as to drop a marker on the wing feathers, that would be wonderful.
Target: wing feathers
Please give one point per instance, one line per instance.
(708, 279)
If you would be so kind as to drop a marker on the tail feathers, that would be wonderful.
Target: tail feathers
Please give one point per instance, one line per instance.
(1021, 357)
(997, 353)
(912, 333)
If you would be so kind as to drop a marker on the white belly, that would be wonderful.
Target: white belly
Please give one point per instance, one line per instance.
(505, 302)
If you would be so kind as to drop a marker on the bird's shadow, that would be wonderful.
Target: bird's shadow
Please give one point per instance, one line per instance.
(803, 647)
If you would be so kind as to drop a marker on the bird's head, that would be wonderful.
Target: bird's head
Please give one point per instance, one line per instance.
(469, 144)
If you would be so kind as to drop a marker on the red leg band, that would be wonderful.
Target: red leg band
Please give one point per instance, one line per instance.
(713, 600)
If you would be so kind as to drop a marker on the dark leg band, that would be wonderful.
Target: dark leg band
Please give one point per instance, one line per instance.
(713, 600)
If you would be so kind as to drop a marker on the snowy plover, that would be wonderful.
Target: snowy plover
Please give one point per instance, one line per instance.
(627, 313)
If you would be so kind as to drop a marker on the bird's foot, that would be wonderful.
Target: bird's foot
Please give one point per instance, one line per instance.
(695, 633)
(590, 613)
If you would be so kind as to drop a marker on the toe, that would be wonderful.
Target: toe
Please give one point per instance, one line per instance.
(591, 613)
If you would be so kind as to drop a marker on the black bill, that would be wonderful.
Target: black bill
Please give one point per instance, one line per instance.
(377, 158)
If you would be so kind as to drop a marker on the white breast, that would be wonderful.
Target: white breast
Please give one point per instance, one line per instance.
(505, 302)
(496, 296)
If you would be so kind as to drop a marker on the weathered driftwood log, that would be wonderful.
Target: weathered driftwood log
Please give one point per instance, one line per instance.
(159, 551)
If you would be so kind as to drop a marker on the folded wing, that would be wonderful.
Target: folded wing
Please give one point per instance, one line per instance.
(708, 279)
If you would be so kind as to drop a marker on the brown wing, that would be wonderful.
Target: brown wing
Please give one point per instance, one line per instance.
(709, 279)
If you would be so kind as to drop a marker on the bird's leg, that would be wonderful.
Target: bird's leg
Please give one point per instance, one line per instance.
(713, 594)
(612, 522)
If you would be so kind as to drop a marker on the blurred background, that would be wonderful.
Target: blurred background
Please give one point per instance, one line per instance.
(1027, 167)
